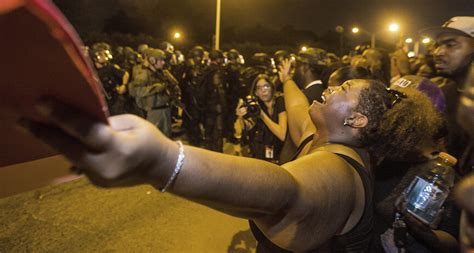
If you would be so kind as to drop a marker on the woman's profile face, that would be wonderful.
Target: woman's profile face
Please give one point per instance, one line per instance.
(263, 90)
(339, 103)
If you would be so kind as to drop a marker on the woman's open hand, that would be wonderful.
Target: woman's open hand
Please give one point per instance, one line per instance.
(284, 70)
(119, 154)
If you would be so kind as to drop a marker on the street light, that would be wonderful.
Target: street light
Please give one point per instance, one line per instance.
(177, 35)
(426, 40)
(355, 30)
(394, 27)
(409, 40)
(304, 48)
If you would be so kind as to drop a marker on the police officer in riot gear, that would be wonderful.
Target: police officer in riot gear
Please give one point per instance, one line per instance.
(194, 96)
(233, 70)
(215, 101)
(113, 78)
(151, 88)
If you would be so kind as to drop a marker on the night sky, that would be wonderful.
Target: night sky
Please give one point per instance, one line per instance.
(196, 18)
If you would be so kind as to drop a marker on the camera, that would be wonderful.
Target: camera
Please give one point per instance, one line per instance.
(253, 108)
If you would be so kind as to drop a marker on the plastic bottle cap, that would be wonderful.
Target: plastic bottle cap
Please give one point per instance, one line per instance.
(451, 160)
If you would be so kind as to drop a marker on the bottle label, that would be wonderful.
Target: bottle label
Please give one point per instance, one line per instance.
(425, 199)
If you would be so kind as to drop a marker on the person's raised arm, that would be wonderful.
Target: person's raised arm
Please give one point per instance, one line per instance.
(296, 103)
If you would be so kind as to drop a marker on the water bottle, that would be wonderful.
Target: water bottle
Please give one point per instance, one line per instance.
(428, 191)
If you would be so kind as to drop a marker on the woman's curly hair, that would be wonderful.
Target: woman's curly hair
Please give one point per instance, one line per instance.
(398, 124)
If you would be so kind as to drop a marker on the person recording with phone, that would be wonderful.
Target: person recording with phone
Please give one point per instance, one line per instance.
(262, 116)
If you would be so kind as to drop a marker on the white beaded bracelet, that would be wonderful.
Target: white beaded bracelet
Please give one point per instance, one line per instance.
(177, 168)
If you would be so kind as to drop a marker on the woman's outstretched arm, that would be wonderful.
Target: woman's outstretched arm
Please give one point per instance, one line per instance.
(299, 206)
(132, 151)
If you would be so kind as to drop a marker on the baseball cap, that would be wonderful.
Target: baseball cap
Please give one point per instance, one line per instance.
(424, 85)
(311, 55)
(461, 25)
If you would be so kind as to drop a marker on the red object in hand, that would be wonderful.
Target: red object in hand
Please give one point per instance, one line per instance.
(41, 55)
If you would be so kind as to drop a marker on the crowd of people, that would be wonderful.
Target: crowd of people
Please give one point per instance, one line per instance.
(336, 140)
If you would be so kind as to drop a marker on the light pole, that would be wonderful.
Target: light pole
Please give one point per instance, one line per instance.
(340, 30)
(393, 27)
(356, 30)
(218, 25)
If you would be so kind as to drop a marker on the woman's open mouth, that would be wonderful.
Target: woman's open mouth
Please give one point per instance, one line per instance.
(323, 99)
(322, 102)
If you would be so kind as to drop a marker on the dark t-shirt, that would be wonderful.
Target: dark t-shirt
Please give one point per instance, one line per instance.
(262, 141)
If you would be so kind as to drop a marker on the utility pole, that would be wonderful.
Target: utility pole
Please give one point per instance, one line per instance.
(218, 25)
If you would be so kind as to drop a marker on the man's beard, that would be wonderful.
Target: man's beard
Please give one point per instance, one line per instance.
(460, 72)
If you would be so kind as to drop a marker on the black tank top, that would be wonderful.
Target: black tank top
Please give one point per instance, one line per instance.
(358, 239)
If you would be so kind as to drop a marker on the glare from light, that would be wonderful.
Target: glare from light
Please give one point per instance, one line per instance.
(304, 49)
(426, 40)
(393, 27)
(355, 30)
(177, 35)
(409, 40)
(411, 54)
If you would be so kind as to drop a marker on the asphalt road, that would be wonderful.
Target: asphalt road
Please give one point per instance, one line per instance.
(78, 217)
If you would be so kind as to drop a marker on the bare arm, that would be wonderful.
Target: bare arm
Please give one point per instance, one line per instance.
(278, 129)
(296, 104)
(132, 151)
(125, 78)
(299, 206)
(437, 240)
(122, 88)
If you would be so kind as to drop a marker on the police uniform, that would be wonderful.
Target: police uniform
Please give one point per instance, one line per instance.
(233, 88)
(149, 90)
(111, 76)
(216, 107)
(194, 100)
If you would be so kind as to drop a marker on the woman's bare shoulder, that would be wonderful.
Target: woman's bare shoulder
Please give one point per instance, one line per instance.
(324, 200)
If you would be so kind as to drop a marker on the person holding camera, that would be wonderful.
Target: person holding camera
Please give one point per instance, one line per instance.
(263, 118)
